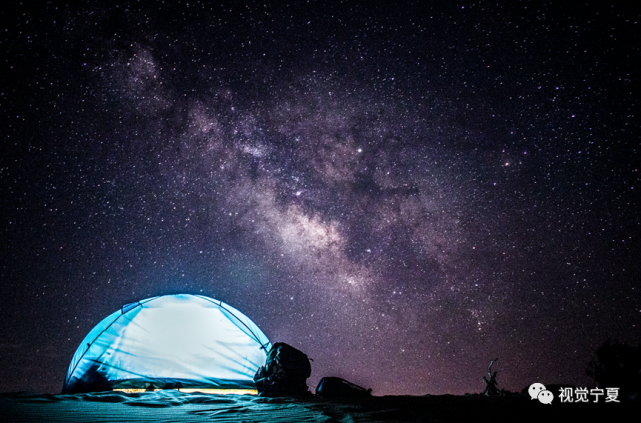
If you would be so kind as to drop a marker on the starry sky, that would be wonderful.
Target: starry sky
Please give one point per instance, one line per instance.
(404, 192)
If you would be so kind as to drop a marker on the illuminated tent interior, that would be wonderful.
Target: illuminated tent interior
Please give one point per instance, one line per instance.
(170, 342)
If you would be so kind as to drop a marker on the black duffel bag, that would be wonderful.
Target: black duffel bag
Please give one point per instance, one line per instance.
(335, 387)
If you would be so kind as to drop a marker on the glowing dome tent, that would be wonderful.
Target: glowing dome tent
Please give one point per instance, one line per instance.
(169, 342)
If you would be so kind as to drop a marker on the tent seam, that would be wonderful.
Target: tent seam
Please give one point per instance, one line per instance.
(256, 338)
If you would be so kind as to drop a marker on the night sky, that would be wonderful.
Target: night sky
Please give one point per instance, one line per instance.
(403, 192)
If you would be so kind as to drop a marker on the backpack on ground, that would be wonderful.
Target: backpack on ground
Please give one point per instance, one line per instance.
(285, 372)
(335, 387)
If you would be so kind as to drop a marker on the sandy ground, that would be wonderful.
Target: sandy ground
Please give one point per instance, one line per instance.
(173, 406)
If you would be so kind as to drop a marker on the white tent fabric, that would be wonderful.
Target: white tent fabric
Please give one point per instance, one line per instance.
(171, 341)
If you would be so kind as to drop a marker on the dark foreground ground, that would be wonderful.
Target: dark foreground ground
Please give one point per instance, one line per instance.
(173, 406)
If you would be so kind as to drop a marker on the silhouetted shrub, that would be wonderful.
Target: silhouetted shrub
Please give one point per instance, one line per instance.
(617, 365)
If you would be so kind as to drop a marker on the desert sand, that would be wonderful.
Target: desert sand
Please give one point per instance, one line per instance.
(174, 406)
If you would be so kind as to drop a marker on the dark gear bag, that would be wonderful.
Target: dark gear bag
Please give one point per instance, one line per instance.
(285, 373)
(335, 387)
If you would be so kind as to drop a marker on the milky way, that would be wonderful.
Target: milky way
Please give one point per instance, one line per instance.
(403, 194)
